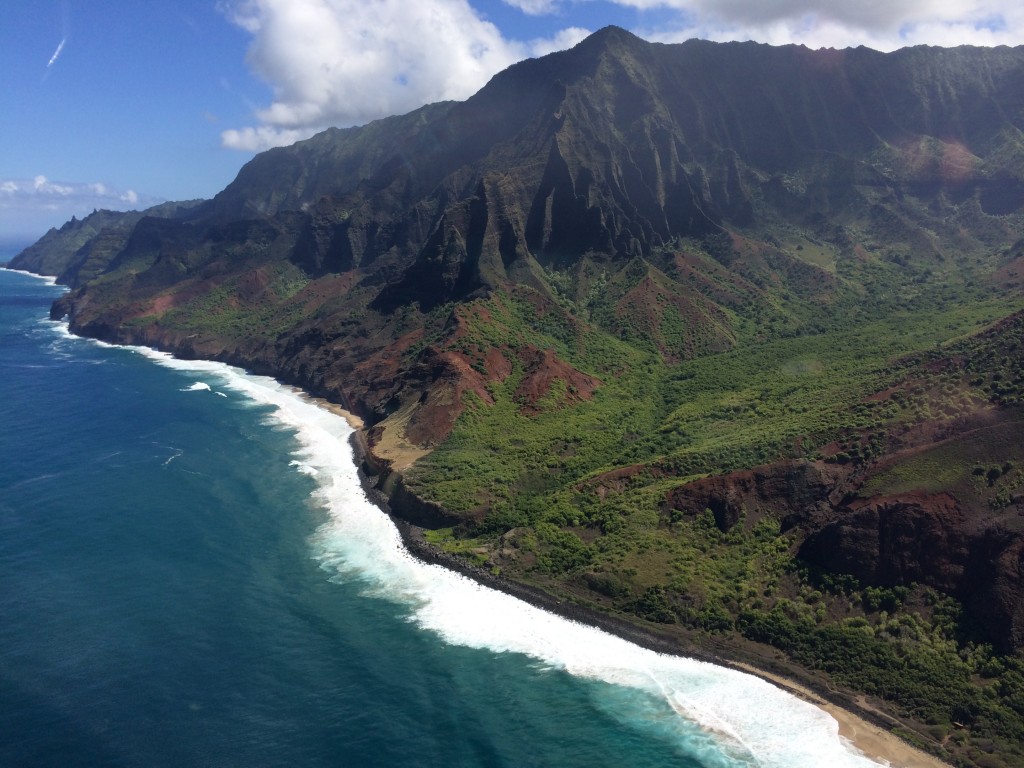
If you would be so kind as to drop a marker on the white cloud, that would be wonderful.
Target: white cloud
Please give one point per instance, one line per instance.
(28, 207)
(881, 24)
(43, 191)
(564, 39)
(43, 186)
(346, 62)
(534, 7)
(263, 137)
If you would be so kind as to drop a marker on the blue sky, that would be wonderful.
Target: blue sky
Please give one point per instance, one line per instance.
(124, 103)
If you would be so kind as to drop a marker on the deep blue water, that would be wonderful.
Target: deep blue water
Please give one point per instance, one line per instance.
(190, 577)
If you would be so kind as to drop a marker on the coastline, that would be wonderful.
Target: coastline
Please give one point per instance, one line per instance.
(868, 737)
(864, 729)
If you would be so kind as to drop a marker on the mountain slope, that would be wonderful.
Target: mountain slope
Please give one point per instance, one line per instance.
(82, 249)
(617, 149)
(710, 336)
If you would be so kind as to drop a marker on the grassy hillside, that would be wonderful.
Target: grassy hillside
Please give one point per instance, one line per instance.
(919, 394)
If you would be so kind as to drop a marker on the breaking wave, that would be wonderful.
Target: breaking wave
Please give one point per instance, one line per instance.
(719, 716)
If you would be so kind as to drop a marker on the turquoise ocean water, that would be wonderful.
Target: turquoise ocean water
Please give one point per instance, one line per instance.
(191, 575)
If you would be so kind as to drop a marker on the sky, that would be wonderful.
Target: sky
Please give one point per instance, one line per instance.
(122, 104)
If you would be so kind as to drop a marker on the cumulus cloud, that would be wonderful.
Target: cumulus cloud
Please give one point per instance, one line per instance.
(563, 39)
(31, 206)
(41, 191)
(534, 7)
(346, 62)
(881, 24)
(258, 138)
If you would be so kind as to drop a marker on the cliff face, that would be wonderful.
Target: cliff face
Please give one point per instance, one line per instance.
(84, 248)
(618, 147)
(944, 540)
(935, 540)
(607, 154)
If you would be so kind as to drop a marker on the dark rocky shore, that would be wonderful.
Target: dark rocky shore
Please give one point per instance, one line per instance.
(409, 513)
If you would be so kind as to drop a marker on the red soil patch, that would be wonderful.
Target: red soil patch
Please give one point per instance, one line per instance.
(252, 285)
(1010, 275)
(452, 375)
(694, 270)
(318, 292)
(618, 480)
(168, 301)
(644, 307)
(161, 304)
(543, 369)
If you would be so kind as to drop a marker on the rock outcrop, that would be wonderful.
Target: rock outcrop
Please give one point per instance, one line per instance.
(932, 539)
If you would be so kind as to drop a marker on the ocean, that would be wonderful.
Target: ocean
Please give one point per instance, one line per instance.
(190, 574)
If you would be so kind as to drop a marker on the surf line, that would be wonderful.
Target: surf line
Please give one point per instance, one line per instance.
(722, 717)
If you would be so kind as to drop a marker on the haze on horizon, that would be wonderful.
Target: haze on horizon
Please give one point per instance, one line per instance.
(122, 108)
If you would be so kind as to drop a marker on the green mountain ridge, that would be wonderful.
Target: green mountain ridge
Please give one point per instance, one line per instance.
(719, 339)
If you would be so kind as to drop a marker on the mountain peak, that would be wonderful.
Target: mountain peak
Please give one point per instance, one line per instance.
(612, 33)
(610, 38)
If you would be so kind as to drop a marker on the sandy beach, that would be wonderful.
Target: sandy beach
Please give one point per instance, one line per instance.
(873, 741)
(353, 421)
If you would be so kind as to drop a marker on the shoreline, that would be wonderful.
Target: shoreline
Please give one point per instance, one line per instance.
(862, 729)
(866, 736)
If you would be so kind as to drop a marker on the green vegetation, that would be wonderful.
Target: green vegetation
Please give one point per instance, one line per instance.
(737, 409)
(220, 310)
(572, 496)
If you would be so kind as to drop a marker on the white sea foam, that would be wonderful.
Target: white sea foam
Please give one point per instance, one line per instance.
(199, 386)
(48, 279)
(724, 717)
(305, 469)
